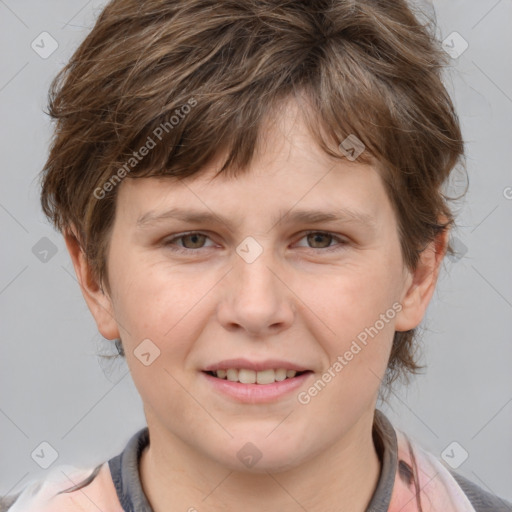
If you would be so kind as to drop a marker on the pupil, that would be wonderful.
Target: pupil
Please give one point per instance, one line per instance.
(314, 236)
(193, 238)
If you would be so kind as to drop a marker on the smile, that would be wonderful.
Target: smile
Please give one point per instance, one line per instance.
(246, 376)
(259, 387)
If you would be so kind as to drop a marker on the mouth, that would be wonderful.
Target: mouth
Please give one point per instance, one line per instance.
(256, 382)
(262, 377)
(256, 386)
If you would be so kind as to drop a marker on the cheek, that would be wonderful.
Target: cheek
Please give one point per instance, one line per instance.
(361, 314)
(354, 314)
(155, 298)
(352, 297)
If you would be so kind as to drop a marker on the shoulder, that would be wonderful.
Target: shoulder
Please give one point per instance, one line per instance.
(481, 500)
(72, 489)
(66, 489)
(7, 501)
(448, 488)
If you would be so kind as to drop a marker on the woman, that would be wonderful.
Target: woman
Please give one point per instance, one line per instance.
(250, 193)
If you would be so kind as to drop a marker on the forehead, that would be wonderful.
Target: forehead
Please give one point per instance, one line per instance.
(256, 201)
(288, 173)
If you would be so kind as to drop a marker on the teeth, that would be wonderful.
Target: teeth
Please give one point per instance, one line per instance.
(251, 377)
(280, 374)
(247, 376)
(232, 375)
(265, 377)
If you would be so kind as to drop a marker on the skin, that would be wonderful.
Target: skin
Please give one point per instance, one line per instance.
(296, 302)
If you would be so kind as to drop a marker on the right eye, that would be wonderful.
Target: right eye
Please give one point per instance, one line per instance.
(193, 238)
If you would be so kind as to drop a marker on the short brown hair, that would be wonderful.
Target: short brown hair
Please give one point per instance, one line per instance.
(367, 68)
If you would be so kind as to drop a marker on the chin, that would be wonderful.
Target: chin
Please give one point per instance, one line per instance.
(253, 454)
(262, 466)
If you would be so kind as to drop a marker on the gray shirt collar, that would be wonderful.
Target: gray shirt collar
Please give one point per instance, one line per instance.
(124, 468)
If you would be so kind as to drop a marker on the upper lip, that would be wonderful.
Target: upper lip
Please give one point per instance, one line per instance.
(267, 364)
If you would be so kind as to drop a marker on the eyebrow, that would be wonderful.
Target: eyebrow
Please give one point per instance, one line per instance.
(346, 215)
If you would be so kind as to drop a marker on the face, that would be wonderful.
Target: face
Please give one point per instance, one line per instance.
(253, 286)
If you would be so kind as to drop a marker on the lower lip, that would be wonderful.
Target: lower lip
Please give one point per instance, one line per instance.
(256, 393)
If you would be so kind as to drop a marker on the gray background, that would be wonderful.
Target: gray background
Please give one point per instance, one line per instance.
(53, 388)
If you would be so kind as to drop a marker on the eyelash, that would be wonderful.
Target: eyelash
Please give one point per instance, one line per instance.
(169, 242)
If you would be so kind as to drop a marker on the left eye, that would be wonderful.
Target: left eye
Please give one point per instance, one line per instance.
(195, 240)
(316, 237)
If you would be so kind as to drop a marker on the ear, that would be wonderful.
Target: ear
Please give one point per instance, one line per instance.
(98, 301)
(421, 283)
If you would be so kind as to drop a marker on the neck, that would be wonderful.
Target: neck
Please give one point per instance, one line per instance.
(177, 477)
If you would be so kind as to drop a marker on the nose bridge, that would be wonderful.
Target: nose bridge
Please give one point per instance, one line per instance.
(256, 299)
(254, 278)
(253, 272)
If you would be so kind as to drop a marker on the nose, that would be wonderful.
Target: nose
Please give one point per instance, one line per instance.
(256, 298)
